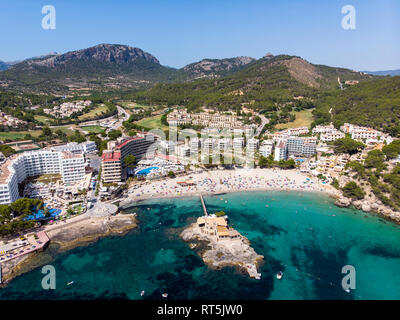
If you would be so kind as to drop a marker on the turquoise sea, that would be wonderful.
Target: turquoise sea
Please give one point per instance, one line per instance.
(302, 234)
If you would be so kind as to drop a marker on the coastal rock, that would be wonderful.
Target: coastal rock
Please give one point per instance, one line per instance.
(366, 207)
(374, 206)
(357, 204)
(343, 202)
(90, 228)
(219, 253)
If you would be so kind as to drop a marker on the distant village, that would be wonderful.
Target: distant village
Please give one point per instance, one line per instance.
(66, 109)
(7, 120)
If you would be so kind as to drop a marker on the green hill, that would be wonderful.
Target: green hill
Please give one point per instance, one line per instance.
(261, 84)
(373, 103)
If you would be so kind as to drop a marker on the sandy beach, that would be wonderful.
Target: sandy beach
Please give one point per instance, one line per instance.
(224, 181)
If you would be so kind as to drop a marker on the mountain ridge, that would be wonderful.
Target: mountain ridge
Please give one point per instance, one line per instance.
(391, 73)
(116, 66)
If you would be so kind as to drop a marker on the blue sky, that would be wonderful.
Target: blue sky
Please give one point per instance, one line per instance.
(179, 32)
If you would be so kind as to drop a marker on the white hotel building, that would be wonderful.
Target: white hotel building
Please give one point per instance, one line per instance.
(15, 170)
(78, 148)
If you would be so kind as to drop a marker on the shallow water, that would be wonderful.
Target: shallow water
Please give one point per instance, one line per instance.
(302, 234)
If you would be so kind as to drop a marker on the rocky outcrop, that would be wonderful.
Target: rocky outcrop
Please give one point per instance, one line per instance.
(343, 202)
(369, 204)
(221, 253)
(112, 53)
(214, 68)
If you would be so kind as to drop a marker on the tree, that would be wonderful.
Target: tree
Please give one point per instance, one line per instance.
(392, 150)
(353, 190)
(287, 164)
(335, 183)
(77, 137)
(130, 161)
(171, 174)
(5, 213)
(265, 162)
(114, 134)
(46, 132)
(348, 145)
(375, 159)
(357, 167)
(61, 135)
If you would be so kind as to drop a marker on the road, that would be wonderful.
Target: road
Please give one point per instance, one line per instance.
(125, 116)
(264, 121)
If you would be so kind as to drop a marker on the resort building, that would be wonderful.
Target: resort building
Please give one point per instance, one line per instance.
(178, 118)
(252, 144)
(323, 129)
(224, 144)
(183, 151)
(332, 135)
(208, 144)
(301, 147)
(166, 146)
(111, 167)
(195, 143)
(238, 143)
(293, 132)
(365, 133)
(113, 160)
(78, 148)
(139, 146)
(15, 170)
(205, 119)
(281, 151)
(266, 150)
(358, 132)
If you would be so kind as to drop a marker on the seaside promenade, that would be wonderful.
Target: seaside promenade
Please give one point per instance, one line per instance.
(18, 248)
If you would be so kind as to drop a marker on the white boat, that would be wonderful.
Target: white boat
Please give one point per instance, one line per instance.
(69, 283)
(142, 293)
(279, 275)
(164, 295)
(347, 290)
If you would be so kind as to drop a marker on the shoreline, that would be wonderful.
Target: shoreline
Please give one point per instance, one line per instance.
(292, 181)
(210, 194)
(149, 191)
(84, 230)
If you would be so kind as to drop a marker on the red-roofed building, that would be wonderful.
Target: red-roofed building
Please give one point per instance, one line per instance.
(113, 165)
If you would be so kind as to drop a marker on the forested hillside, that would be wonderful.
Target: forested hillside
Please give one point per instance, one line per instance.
(261, 85)
(373, 103)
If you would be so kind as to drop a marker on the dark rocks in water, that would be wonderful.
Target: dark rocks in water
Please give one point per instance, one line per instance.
(168, 222)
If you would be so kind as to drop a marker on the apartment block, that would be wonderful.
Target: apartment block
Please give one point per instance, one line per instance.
(301, 147)
(113, 160)
(71, 167)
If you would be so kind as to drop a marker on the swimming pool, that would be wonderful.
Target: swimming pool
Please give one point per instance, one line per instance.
(145, 171)
(39, 214)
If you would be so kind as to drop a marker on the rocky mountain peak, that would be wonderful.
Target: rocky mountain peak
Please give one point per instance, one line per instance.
(111, 53)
